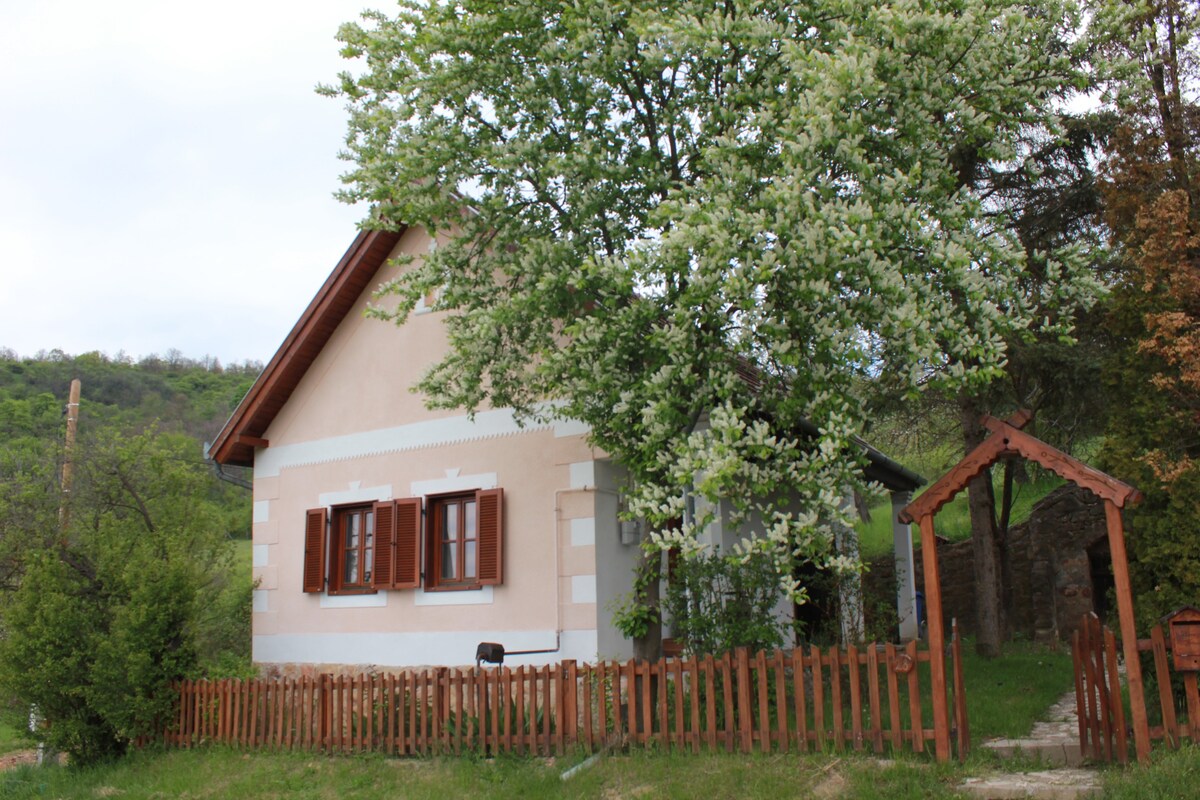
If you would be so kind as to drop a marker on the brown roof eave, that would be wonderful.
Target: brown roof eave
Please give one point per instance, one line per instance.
(235, 444)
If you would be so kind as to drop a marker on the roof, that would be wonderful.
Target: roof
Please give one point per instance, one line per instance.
(244, 430)
(1009, 440)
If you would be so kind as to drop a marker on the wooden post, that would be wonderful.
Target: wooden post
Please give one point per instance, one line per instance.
(1133, 663)
(68, 468)
(937, 640)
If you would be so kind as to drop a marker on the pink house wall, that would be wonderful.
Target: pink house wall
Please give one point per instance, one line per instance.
(353, 431)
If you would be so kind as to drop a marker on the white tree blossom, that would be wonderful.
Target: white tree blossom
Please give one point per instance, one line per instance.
(699, 225)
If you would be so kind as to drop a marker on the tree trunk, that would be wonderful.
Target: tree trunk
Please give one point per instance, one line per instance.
(989, 621)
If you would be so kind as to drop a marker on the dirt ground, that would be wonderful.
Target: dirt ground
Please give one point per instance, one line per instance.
(17, 758)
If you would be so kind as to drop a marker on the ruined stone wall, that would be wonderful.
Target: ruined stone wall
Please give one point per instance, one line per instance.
(1050, 582)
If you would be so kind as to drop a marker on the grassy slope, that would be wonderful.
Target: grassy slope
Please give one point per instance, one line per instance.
(953, 521)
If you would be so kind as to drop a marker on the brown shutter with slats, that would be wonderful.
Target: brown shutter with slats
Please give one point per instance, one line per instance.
(314, 549)
(407, 560)
(491, 535)
(383, 572)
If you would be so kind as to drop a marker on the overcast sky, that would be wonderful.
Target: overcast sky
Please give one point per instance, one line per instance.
(166, 173)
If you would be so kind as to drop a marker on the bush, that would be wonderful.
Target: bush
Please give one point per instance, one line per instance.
(108, 616)
(717, 603)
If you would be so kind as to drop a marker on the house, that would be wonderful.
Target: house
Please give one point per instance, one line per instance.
(389, 534)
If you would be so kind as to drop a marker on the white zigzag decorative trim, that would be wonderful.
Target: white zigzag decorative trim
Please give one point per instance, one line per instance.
(414, 436)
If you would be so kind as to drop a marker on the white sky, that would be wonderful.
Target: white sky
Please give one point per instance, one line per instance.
(166, 172)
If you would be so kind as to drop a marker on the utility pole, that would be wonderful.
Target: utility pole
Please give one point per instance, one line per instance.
(64, 509)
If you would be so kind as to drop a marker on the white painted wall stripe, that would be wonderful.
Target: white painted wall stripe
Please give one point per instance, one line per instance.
(430, 433)
(443, 648)
(260, 555)
(259, 603)
(262, 511)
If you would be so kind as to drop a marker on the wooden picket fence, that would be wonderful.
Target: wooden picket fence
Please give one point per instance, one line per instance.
(872, 697)
(1103, 732)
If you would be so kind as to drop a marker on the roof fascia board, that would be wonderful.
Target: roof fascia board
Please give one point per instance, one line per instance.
(368, 251)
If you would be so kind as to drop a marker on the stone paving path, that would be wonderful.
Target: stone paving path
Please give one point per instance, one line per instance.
(1054, 742)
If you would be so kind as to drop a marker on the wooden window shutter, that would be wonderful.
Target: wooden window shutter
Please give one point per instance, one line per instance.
(314, 549)
(407, 559)
(383, 573)
(491, 535)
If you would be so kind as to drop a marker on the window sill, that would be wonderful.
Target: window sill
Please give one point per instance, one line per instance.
(459, 596)
(372, 600)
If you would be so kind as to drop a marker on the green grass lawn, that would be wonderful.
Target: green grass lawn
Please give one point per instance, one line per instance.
(222, 773)
(1006, 695)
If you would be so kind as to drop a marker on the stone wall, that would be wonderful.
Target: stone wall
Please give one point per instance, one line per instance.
(1051, 583)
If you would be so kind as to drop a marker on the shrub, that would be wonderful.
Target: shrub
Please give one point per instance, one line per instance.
(717, 603)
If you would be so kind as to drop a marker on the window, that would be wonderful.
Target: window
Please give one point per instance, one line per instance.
(378, 546)
(463, 540)
(354, 555)
(456, 540)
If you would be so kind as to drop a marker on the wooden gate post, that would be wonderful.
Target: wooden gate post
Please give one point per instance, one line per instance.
(937, 640)
(1133, 663)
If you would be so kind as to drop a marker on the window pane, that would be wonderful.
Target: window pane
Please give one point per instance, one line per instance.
(469, 528)
(449, 561)
(350, 568)
(469, 560)
(368, 546)
(450, 522)
(353, 522)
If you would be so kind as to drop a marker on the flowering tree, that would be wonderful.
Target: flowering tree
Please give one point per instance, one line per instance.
(695, 224)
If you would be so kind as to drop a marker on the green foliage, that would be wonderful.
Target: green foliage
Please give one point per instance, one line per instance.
(110, 611)
(716, 603)
(1153, 374)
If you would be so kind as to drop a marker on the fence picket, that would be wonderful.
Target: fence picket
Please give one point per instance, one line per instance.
(727, 697)
(764, 712)
(873, 697)
(835, 702)
(745, 721)
(856, 725)
(818, 683)
(895, 723)
(781, 720)
(799, 701)
(914, 700)
(1118, 709)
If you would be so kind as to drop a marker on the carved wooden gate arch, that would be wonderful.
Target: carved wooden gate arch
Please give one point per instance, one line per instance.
(1007, 441)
